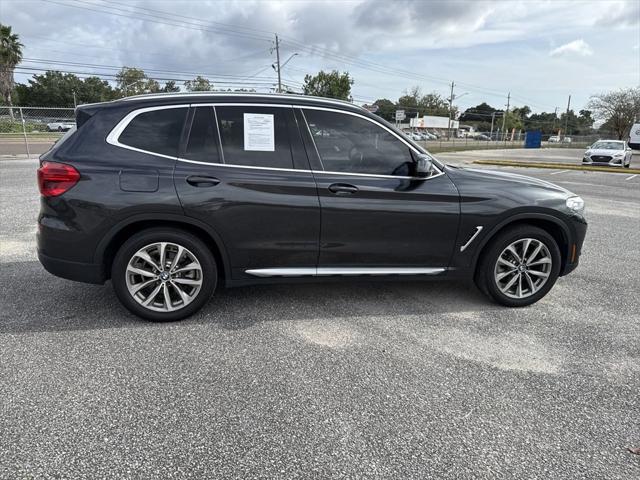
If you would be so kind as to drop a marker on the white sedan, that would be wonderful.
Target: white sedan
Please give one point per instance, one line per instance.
(61, 126)
(615, 153)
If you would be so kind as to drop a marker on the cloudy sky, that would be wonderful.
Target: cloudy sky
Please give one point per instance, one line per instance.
(540, 51)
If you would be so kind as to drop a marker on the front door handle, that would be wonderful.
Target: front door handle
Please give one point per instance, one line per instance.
(342, 189)
(202, 181)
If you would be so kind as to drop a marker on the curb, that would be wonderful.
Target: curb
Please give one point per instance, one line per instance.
(556, 166)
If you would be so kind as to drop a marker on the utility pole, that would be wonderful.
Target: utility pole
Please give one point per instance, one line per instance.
(493, 117)
(278, 62)
(504, 116)
(75, 104)
(450, 111)
(566, 120)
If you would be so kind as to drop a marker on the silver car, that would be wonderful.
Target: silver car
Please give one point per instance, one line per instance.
(61, 126)
(614, 153)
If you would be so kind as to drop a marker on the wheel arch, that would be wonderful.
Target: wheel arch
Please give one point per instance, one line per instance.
(118, 234)
(549, 223)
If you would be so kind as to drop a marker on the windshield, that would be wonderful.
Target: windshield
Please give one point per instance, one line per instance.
(608, 146)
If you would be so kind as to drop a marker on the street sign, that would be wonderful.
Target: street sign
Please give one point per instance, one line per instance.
(400, 115)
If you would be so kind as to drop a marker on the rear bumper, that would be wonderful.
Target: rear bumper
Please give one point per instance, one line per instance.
(79, 272)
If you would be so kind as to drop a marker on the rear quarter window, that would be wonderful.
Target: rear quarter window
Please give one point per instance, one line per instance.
(155, 131)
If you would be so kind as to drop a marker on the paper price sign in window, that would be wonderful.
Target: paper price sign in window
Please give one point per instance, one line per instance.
(259, 132)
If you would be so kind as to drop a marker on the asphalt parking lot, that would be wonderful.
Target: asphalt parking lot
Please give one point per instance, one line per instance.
(349, 380)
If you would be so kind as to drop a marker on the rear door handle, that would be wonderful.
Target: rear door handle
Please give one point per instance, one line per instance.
(342, 188)
(202, 181)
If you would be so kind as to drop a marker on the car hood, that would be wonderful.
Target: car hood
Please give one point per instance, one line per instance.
(603, 151)
(462, 175)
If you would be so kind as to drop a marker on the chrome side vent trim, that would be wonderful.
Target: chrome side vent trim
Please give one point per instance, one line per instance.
(328, 271)
(473, 237)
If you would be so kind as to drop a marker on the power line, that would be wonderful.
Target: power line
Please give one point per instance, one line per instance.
(113, 76)
(146, 70)
(160, 17)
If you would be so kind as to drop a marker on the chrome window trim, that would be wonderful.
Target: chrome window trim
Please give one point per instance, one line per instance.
(342, 271)
(113, 138)
(114, 135)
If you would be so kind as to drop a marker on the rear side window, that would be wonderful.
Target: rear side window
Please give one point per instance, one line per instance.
(202, 145)
(157, 131)
(255, 136)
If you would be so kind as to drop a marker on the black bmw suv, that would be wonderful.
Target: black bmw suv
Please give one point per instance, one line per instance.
(170, 196)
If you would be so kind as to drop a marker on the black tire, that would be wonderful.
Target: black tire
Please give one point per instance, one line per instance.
(179, 237)
(628, 165)
(485, 272)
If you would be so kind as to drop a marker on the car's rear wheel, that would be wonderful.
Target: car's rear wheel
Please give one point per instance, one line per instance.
(164, 274)
(520, 266)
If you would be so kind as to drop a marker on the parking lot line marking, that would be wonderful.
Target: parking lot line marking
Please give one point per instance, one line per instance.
(632, 176)
(556, 173)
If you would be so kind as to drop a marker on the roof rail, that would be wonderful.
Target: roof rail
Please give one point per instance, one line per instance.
(237, 94)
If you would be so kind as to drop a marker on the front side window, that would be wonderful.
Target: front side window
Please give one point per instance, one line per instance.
(255, 136)
(347, 143)
(156, 131)
(202, 145)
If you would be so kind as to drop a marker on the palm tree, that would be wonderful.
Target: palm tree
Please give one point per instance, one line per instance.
(10, 56)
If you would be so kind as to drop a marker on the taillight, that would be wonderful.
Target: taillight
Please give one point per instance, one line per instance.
(56, 178)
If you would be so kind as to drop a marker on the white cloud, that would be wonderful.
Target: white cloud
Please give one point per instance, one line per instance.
(577, 47)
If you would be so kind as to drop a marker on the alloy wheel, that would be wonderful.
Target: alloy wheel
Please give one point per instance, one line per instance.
(523, 268)
(164, 277)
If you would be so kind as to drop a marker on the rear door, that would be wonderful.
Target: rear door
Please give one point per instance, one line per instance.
(243, 170)
(376, 214)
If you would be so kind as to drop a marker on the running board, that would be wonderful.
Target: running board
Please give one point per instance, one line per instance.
(327, 271)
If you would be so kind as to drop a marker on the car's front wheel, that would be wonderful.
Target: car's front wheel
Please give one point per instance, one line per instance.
(520, 266)
(164, 274)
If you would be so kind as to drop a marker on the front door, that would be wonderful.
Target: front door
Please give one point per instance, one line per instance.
(243, 170)
(375, 212)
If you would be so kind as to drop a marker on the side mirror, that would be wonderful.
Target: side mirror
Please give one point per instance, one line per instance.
(424, 166)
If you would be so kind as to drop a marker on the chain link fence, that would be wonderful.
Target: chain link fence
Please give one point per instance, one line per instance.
(32, 130)
(498, 141)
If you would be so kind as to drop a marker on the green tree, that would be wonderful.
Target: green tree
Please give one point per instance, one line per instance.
(51, 89)
(414, 102)
(517, 118)
(170, 86)
(409, 101)
(198, 84)
(546, 122)
(434, 104)
(329, 84)
(619, 109)
(133, 81)
(94, 89)
(10, 56)
(386, 109)
(56, 89)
